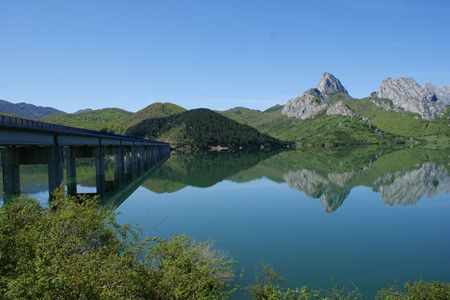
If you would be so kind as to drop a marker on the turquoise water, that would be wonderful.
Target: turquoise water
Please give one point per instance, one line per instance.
(364, 217)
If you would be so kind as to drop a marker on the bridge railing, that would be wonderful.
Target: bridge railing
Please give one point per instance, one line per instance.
(15, 122)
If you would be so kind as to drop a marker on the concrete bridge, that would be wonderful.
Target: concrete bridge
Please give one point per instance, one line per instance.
(25, 142)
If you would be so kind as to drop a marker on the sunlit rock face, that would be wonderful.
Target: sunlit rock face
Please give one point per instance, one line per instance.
(340, 109)
(308, 105)
(331, 86)
(442, 92)
(406, 188)
(331, 195)
(407, 94)
(313, 101)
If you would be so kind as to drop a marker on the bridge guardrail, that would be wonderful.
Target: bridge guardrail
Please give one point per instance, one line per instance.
(38, 125)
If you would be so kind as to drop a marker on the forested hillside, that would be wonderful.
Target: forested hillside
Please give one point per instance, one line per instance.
(201, 129)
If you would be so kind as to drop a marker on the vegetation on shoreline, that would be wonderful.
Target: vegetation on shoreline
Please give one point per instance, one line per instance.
(170, 122)
(203, 129)
(74, 249)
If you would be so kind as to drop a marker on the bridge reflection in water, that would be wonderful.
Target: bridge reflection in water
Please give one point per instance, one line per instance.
(27, 142)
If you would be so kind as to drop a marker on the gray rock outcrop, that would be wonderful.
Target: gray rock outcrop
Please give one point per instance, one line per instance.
(407, 94)
(314, 100)
(308, 105)
(340, 109)
(442, 92)
(331, 86)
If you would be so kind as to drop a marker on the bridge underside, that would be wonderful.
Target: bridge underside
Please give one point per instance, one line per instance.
(22, 146)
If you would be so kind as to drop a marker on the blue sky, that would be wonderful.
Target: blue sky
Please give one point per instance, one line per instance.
(215, 54)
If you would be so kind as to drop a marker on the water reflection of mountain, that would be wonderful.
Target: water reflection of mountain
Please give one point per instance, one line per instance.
(407, 188)
(401, 177)
(201, 170)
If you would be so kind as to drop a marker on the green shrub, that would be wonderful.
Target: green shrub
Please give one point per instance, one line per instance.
(74, 249)
(419, 290)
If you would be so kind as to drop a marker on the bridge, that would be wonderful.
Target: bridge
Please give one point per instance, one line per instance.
(25, 142)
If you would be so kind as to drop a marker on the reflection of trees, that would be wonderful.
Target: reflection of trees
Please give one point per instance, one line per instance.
(406, 188)
(401, 177)
(201, 169)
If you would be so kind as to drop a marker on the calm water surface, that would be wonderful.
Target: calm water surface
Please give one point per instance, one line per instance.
(363, 217)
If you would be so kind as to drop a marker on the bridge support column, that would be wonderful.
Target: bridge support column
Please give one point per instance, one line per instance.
(119, 165)
(55, 168)
(100, 181)
(134, 161)
(71, 170)
(142, 159)
(11, 171)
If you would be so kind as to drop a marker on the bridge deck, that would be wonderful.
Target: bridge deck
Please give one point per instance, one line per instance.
(18, 131)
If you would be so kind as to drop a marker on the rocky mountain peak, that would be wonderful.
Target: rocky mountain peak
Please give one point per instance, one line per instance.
(307, 105)
(407, 94)
(330, 86)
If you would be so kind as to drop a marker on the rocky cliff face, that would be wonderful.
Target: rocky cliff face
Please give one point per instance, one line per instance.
(407, 94)
(331, 86)
(313, 101)
(309, 104)
(442, 92)
(339, 108)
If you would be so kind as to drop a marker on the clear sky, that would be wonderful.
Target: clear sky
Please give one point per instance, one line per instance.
(216, 54)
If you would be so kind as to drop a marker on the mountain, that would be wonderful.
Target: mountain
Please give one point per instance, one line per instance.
(107, 119)
(113, 119)
(156, 110)
(314, 100)
(203, 129)
(80, 111)
(25, 110)
(328, 116)
(329, 86)
(407, 94)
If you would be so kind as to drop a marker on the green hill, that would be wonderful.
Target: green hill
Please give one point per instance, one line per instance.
(321, 131)
(108, 119)
(379, 127)
(201, 129)
(156, 110)
(404, 124)
(114, 119)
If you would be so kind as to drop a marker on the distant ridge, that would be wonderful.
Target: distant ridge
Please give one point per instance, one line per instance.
(26, 110)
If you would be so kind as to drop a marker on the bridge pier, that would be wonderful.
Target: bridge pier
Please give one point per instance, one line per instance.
(119, 165)
(11, 171)
(142, 159)
(100, 181)
(55, 168)
(71, 171)
(134, 161)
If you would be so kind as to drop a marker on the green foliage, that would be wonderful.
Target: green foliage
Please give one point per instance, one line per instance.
(75, 250)
(269, 286)
(419, 290)
(155, 110)
(404, 124)
(320, 131)
(201, 129)
(112, 119)
(108, 119)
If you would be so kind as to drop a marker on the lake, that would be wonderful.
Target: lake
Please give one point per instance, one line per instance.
(362, 217)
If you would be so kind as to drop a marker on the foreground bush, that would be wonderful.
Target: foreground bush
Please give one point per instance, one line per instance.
(75, 250)
(420, 290)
